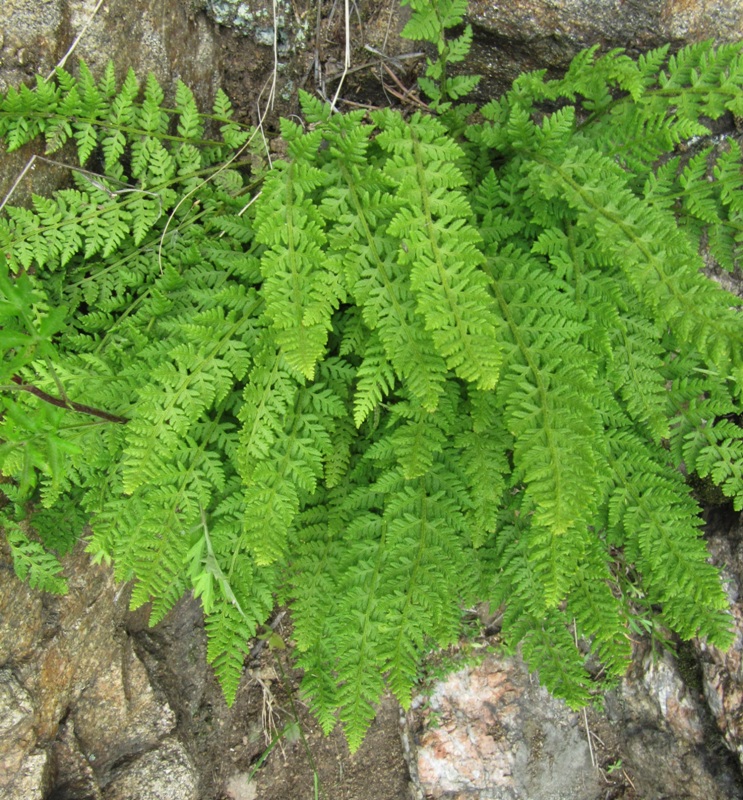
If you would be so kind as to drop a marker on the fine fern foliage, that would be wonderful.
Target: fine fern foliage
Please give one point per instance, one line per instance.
(420, 361)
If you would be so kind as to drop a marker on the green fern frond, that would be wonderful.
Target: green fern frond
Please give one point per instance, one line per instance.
(449, 289)
(301, 286)
(415, 363)
(31, 562)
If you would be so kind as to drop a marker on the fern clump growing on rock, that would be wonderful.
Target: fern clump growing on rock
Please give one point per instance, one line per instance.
(420, 361)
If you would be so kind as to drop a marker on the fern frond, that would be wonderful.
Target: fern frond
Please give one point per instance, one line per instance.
(363, 205)
(448, 286)
(31, 562)
(545, 398)
(375, 380)
(301, 287)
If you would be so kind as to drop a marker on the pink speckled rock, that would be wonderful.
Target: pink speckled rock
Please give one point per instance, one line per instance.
(492, 733)
(483, 739)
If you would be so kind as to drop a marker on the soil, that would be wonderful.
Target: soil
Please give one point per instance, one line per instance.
(267, 746)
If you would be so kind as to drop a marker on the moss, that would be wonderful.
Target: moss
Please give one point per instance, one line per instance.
(707, 493)
(689, 667)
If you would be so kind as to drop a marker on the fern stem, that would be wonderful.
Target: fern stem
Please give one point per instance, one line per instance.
(133, 132)
(56, 401)
(577, 259)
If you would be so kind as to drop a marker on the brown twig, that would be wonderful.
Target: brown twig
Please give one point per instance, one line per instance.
(69, 404)
(354, 104)
(406, 96)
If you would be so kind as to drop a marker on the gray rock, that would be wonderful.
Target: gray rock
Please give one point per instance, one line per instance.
(633, 23)
(74, 778)
(166, 773)
(513, 37)
(16, 708)
(17, 740)
(159, 36)
(247, 16)
(75, 699)
(667, 740)
(723, 671)
(31, 781)
(492, 733)
(21, 613)
(175, 654)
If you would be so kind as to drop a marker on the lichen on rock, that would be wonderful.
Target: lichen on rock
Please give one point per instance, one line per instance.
(256, 19)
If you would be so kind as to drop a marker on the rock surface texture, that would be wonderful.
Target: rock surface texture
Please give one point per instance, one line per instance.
(96, 705)
(78, 713)
(545, 34)
(722, 672)
(492, 733)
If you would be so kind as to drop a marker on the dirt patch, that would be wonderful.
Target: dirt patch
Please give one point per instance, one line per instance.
(377, 770)
(267, 746)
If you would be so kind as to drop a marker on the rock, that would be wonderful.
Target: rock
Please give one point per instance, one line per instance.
(76, 702)
(23, 773)
(174, 654)
(120, 714)
(159, 36)
(255, 18)
(655, 691)
(723, 671)
(74, 778)
(31, 781)
(240, 787)
(21, 613)
(166, 773)
(666, 739)
(16, 720)
(493, 733)
(80, 640)
(513, 37)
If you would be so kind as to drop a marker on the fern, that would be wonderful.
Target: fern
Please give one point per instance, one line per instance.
(32, 562)
(429, 23)
(418, 362)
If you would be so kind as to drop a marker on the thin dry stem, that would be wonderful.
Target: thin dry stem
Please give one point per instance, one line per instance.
(347, 59)
(75, 43)
(28, 166)
(588, 737)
